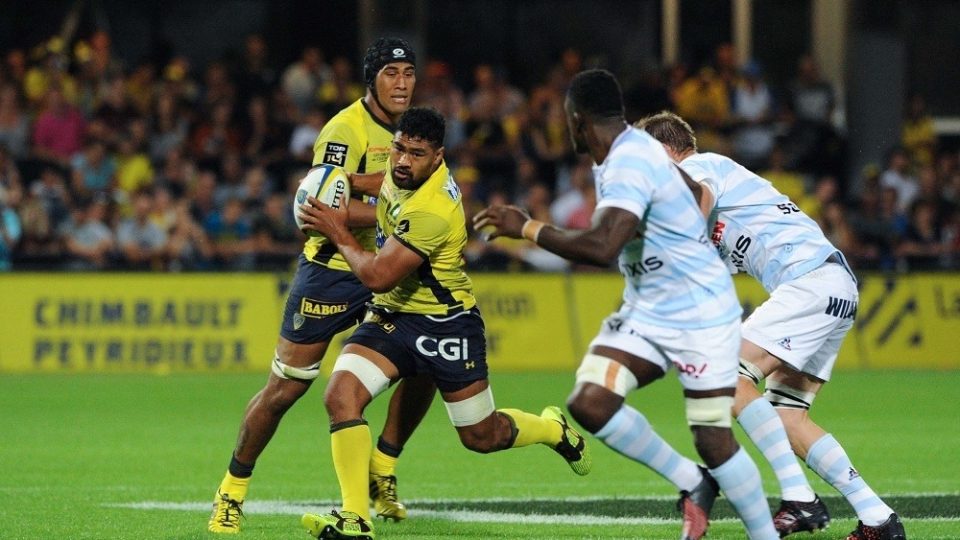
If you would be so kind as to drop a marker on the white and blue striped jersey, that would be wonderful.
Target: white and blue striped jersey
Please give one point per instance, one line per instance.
(673, 276)
(756, 229)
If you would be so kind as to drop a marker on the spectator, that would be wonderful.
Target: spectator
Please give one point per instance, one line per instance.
(922, 245)
(59, 129)
(811, 96)
(492, 95)
(188, 247)
(169, 127)
(897, 176)
(142, 244)
(14, 123)
(265, 139)
(833, 222)
(917, 135)
(93, 170)
(342, 89)
(302, 78)
(134, 171)
(875, 229)
(437, 90)
(51, 191)
(52, 72)
(89, 242)
(10, 228)
(704, 102)
(275, 239)
(305, 134)
(231, 235)
(217, 135)
(753, 111)
(115, 111)
(255, 76)
(177, 173)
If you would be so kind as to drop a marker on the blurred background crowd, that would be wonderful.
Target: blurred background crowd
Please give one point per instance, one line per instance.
(185, 167)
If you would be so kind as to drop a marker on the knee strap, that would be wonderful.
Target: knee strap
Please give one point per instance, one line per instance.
(750, 371)
(284, 371)
(607, 373)
(787, 397)
(710, 412)
(370, 375)
(472, 410)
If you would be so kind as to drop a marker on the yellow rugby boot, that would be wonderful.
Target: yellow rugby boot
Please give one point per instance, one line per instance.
(383, 492)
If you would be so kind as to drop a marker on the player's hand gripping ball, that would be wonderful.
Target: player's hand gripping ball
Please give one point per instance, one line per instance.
(327, 184)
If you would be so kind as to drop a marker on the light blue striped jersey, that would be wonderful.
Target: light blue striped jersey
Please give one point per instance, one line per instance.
(756, 229)
(673, 276)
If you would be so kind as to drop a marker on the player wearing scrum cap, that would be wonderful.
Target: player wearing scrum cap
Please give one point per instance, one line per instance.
(325, 298)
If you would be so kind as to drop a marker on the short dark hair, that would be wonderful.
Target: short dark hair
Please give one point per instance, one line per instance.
(669, 129)
(382, 52)
(596, 93)
(423, 123)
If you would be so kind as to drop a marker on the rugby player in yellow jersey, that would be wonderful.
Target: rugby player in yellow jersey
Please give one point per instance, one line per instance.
(424, 320)
(325, 298)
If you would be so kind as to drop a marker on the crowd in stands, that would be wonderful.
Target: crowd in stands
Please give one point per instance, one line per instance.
(179, 167)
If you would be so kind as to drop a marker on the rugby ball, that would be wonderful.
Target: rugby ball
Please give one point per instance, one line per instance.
(327, 184)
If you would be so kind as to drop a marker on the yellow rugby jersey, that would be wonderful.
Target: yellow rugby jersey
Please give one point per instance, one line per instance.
(358, 142)
(430, 221)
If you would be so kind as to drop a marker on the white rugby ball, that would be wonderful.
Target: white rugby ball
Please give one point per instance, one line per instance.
(327, 184)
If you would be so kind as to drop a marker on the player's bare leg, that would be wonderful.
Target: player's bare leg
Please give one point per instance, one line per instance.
(824, 455)
(409, 403)
(484, 429)
(297, 365)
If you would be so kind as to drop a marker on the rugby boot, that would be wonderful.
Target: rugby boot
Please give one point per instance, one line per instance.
(572, 445)
(891, 529)
(226, 514)
(796, 516)
(695, 505)
(337, 526)
(383, 493)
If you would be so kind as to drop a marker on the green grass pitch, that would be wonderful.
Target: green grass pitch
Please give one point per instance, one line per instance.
(138, 456)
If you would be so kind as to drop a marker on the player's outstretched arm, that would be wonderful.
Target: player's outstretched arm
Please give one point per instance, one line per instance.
(600, 244)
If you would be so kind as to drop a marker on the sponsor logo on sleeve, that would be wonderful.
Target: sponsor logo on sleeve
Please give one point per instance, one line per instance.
(335, 154)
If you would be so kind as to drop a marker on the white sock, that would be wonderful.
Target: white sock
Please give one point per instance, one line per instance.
(629, 433)
(763, 425)
(827, 458)
(739, 480)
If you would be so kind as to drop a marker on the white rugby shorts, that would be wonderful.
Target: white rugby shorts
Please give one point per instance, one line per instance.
(705, 358)
(805, 320)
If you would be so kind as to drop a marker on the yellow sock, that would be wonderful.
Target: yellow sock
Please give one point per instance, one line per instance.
(532, 429)
(233, 487)
(382, 464)
(350, 449)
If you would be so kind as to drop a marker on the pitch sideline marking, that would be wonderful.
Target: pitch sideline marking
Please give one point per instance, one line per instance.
(475, 516)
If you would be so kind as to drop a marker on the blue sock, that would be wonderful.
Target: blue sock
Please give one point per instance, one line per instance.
(763, 425)
(739, 480)
(827, 458)
(629, 433)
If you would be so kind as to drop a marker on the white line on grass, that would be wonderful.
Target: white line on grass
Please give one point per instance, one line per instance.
(474, 516)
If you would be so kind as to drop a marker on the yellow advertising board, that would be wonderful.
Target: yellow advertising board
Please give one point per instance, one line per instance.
(137, 322)
(528, 323)
(535, 322)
